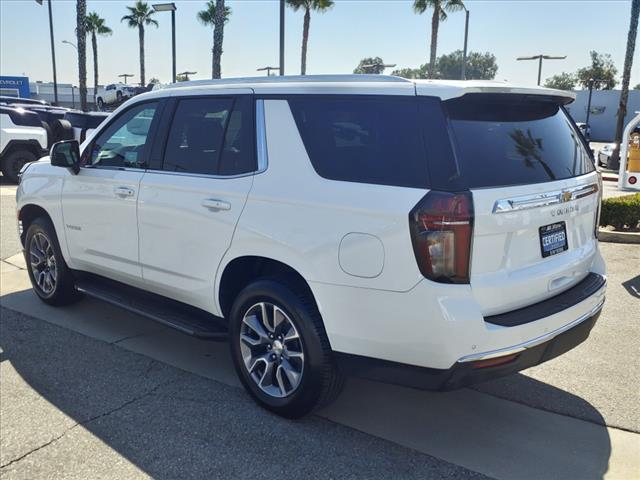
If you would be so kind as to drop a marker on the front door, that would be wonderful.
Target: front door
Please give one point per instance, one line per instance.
(189, 206)
(100, 203)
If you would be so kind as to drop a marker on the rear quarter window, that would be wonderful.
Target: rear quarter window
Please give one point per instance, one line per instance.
(514, 140)
(374, 140)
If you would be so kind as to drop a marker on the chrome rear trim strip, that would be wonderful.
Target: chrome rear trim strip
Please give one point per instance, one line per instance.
(538, 200)
(502, 352)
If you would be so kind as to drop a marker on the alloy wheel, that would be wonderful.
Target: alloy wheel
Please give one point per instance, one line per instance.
(271, 349)
(42, 261)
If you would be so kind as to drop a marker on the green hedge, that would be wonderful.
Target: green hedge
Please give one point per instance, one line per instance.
(621, 212)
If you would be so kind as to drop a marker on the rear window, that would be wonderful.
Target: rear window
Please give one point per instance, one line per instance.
(514, 140)
(366, 140)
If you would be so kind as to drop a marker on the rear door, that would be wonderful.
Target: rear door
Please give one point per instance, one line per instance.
(192, 197)
(535, 194)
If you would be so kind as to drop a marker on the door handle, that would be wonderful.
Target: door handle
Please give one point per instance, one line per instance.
(124, 191)
(215, 204)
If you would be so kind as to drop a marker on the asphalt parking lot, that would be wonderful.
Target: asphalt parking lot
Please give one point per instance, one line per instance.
(90, 391)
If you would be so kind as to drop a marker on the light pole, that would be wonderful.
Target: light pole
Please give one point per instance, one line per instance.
(591, 80)
(53, 53)
(125, 76)
(73, 94)
(282, 9)
(267, 69)
(70, 43)
(540, 58)
(170, 7)
(463, 73)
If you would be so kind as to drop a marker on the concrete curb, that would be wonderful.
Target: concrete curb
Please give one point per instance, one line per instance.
(618, 237)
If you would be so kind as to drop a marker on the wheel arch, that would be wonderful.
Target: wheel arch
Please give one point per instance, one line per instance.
(241, 271)
(27, 214)
(32, 146)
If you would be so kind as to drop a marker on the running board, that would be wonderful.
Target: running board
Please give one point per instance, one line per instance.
(182, 317)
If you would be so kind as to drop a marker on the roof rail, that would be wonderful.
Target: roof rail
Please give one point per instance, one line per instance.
(295, 79)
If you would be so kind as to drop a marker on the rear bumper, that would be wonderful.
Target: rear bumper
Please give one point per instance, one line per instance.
(474, 368)
(436, 325)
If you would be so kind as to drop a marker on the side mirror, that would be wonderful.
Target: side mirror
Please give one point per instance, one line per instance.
(66, 154)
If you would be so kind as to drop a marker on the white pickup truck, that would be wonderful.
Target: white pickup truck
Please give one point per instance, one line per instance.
(115, 93)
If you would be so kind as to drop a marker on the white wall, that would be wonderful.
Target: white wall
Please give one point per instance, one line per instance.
(604, 111)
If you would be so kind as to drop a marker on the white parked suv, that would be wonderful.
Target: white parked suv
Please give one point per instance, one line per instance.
(23, 139)
(426, 233)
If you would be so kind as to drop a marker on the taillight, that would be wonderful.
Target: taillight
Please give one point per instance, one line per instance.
(441, 226)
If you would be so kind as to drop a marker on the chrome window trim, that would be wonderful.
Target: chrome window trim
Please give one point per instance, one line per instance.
(102, 167)
(555, 197)
(202, 175)
(503, 352)
(261, 137)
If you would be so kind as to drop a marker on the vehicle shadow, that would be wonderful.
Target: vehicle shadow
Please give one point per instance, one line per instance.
(633, 286)
(4, 181)
(77, 407)
(171, 423)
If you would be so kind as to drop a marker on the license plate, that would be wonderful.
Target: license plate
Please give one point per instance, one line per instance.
(553, 239)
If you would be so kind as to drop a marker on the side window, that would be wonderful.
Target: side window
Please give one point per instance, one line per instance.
(238, 152)
(122, 144)
(195, 138)
(366, 140)
(213, 136)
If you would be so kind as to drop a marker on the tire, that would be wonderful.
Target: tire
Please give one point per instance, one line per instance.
(313, 379)
(13, 162)
(50, 277)
(100, 104)
(61, 130)
(47, 129)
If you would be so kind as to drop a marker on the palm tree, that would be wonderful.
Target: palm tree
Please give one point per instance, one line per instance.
(95, 25)
(440, 9)
(626, 76)
(208, 17)
(81, 13)
(139, 16)
(308, 5)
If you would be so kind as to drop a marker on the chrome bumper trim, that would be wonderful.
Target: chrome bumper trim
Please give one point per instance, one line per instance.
(502, 352)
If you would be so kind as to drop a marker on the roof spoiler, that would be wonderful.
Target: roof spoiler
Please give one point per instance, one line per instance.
(543, 94)
(450, 89)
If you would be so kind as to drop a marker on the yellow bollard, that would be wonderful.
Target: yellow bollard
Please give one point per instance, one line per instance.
(633, 162)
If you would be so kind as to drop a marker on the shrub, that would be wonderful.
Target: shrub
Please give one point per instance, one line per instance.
(621, 212)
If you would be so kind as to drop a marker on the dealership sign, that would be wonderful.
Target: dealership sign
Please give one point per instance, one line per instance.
(14, 86)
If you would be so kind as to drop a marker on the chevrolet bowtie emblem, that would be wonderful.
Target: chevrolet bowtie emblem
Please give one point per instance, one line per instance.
(566, 196)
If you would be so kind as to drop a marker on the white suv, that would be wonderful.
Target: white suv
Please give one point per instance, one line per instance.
(431, 234)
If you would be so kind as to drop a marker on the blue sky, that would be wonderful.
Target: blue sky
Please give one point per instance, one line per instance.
(353, 29)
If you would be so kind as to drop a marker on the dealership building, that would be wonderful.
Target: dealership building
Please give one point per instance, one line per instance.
(68, 94)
